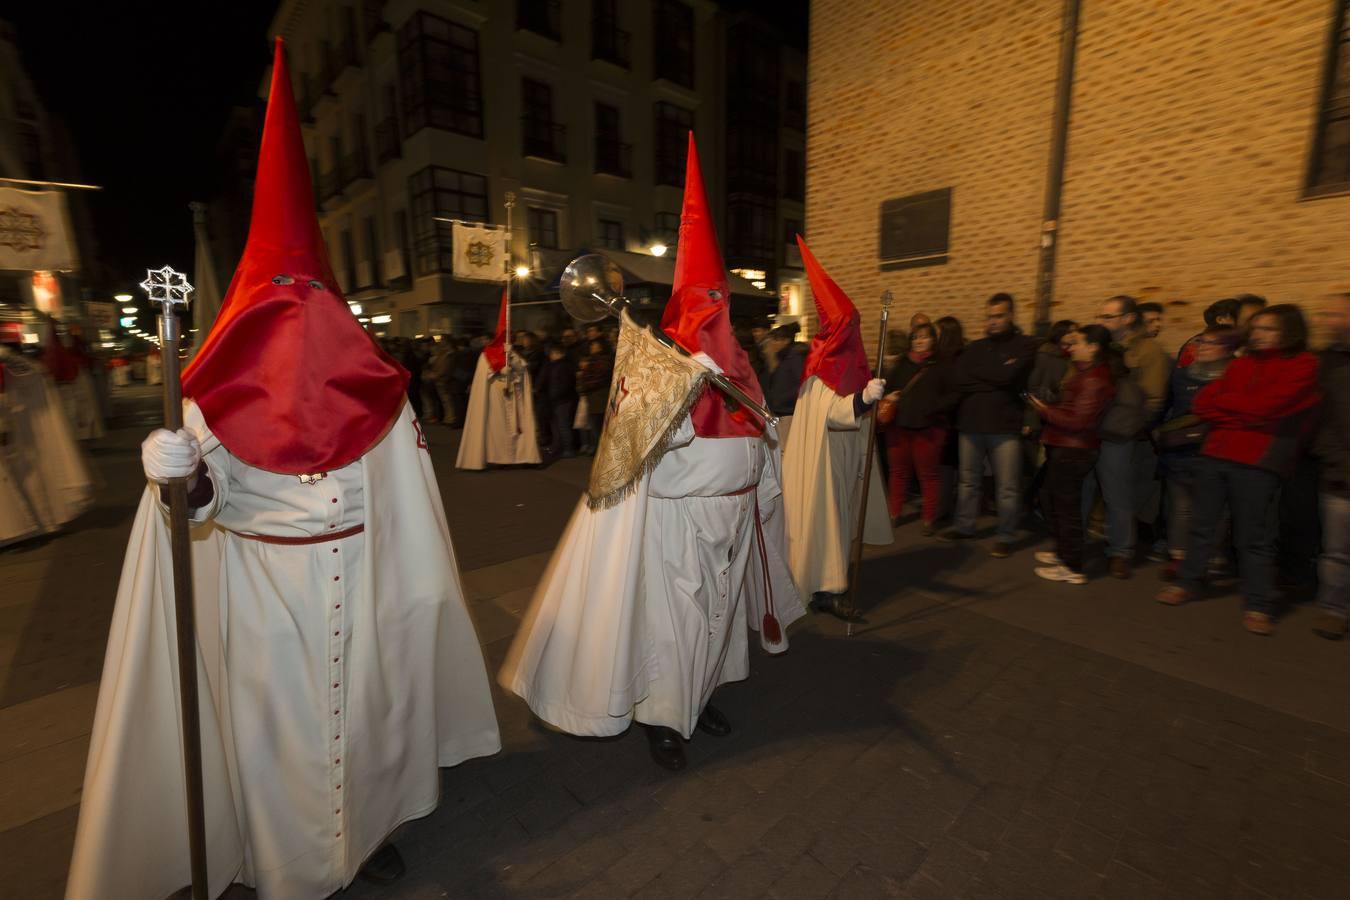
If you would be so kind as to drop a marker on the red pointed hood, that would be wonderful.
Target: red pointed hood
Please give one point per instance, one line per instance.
(287, 378)
(496, 350)
(697, 315)
(837, 356)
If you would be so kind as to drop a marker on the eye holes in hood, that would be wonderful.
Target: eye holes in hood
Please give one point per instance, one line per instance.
(313, 283)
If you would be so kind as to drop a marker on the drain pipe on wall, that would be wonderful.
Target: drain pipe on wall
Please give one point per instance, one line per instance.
(1054, 182)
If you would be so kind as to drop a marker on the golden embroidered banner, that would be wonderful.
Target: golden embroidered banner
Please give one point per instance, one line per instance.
(651, 393)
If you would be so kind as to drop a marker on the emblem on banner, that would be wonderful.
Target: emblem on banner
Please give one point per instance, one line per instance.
(21, 230)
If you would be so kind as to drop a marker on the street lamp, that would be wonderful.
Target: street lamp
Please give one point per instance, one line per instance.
(122, 298)
(658, 249)
(129, 310)
(522, 271)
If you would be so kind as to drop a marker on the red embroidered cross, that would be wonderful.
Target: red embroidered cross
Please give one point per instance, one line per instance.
(620, 392)
(421, 437)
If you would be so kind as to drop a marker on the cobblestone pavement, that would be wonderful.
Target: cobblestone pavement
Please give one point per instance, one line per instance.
(983, 735)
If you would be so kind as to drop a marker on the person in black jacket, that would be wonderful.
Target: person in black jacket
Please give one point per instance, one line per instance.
(990, 376)
(1333, 447)
(557, 393)
(783, 379)
(918, 417)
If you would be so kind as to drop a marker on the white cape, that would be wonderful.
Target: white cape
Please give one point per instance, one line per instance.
(499, 430)
(416, 698)
(822, 484)
(619, 627)
(44, 481)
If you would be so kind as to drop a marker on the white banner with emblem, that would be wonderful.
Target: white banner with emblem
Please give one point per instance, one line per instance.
(480, 252)
(34, 231)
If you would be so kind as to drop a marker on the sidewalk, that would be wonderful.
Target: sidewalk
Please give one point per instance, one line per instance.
(986, 734)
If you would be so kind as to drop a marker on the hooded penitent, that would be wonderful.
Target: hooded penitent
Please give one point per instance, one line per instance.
(496, 350)
(837, 356)
(287, 379)
(697, 315)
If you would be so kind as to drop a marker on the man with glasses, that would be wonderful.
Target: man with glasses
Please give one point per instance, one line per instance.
(990, 375)
(1127, 464)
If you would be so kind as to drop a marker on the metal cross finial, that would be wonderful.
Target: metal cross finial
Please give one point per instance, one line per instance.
(166, 287)
(169, 289)
(886, 299)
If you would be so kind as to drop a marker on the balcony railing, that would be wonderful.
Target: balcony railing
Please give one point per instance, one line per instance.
(540, 16)
(372, 19)
(544, 139)
(613, 158)
(387, 144)
(355, 167)
(609, 42)
(330, 184)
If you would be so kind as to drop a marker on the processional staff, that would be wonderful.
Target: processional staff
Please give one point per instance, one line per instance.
(170, 290)
(851, 611)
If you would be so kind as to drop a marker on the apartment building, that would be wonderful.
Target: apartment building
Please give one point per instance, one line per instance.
(419, 114)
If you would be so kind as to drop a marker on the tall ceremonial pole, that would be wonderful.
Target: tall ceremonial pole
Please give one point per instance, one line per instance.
(170, 290)
(866, 476)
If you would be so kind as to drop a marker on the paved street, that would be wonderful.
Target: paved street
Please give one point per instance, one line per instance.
(985, 734)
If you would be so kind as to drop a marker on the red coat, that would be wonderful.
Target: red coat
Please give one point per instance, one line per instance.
(1083, 399)
(1261, 410)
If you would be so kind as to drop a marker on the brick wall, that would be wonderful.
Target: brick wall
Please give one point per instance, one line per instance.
(1192, 122)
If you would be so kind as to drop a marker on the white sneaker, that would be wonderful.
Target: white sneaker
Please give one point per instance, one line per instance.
(1061, 573)
(1048, 558)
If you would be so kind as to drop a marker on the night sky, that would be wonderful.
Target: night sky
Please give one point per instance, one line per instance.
(145, 89)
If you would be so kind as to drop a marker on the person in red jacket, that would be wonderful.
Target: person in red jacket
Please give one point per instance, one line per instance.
(1069, 433)
(1260, 413)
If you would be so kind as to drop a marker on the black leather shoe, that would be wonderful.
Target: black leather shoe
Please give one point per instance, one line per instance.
(666, 746)
(711, 721)
(836, 605)
(384, 867)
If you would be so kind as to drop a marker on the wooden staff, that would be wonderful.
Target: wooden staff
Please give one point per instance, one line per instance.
(851, 610)
(170, 290)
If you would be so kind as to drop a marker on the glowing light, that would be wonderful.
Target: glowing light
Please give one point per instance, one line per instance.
(381, 320)
(122, 298)
(522, 271)
(129, 310)
(355, 308)
(128, 321)
(658, 249)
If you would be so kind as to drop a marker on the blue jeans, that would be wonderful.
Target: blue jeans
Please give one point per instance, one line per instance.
(1004, 452)
(1252, 498)
(1333, 571)
(1125, 470)
(561, 436)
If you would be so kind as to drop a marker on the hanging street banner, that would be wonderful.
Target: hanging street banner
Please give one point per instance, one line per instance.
(480, 252)
(34, 231)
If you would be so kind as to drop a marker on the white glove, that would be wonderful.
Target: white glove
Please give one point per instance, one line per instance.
(875, 390)
(168, 454)
(706, 362)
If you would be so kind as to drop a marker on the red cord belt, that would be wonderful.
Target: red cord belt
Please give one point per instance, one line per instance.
(300, 541)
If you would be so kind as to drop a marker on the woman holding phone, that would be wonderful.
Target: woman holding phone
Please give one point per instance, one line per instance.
(1069, 433)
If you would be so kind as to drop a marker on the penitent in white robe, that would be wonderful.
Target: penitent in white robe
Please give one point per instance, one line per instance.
(335, 679)
(822, 485)
(499, 425)
(44, 481)
(644, 608)
(82, 406)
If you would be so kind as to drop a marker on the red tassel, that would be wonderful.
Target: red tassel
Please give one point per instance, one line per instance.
(773, 632)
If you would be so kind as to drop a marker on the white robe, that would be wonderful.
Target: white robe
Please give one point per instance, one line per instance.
(82, 406)
(335, 679)
(822, 484)
(499, 430)
(44, 481)
(644, 607)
